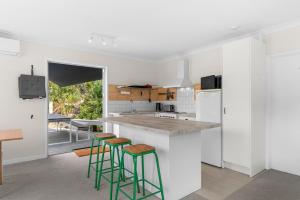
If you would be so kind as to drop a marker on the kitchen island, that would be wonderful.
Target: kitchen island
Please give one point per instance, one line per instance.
(178, 144)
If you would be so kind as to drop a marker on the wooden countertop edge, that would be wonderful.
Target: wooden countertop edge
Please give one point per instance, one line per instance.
(17, 135)
(159, 131)
(130, 125)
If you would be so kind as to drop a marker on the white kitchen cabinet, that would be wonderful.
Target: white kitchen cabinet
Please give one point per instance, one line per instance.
(244, 105)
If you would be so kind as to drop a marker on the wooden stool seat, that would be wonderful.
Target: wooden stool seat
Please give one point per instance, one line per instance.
(139, 149)
(117, 141)
(136, 151)
(104, 136)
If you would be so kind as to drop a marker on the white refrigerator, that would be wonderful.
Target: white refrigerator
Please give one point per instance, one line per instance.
(209, 109)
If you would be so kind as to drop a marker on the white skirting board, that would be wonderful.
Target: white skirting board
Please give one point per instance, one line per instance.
(24, 159)
(238, 168)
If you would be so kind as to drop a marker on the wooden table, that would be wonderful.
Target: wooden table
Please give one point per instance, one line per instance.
(8, 135)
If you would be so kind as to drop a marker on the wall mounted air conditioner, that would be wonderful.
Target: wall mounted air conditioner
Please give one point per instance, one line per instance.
(9, 46)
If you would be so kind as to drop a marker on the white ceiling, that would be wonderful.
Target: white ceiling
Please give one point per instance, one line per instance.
(151, 29)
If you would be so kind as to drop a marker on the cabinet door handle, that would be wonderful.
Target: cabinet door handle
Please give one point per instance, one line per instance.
(224, 111)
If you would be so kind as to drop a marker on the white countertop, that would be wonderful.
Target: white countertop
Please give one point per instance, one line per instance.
(171, 127)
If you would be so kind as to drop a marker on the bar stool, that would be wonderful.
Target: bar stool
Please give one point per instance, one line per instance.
(100, 137)
(114, 145)
(139, 150)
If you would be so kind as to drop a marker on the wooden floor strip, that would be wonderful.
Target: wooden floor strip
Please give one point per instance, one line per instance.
(86, 151)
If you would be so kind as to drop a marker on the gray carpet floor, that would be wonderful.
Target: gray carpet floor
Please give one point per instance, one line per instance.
(63, 177)
(271, 185)
(60, 177)
(194, 196)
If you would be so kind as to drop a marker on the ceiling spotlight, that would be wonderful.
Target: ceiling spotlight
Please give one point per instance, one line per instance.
(90, 40)
(103, 40)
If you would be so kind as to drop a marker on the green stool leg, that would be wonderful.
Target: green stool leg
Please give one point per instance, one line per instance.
(137, 184)
(119, 160)
(119, 178)
(143, 175)
(97, 163)
(135, 179)
(123, 167)
(159, 177)
(90, 160)
(101, 167)
(112, 173)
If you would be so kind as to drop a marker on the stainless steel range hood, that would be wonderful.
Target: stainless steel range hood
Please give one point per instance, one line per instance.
(183, 76)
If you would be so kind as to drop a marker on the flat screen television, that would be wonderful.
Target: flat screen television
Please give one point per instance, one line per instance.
(31, 87)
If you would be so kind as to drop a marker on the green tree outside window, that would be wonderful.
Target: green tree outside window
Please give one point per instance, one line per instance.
(81, 101)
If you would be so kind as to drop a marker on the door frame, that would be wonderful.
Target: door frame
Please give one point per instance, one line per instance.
(104, 92)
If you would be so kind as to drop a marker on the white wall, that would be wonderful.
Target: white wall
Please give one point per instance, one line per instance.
(284, 113)
(282, 130)
(283, 48)
(283, 41)
(202, 63)
(15, 113)
(209, 61)
(121, 71)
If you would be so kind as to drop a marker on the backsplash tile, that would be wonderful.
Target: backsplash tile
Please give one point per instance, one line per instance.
(185, 100)
(185, 103)
(127, 106)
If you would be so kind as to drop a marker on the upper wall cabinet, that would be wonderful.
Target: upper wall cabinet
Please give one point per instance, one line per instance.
(244, 105)
(166, 94)
(154, 94)
(117, 93)
(138, 94)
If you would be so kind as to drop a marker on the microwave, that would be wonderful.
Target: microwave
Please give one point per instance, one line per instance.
(211, 82)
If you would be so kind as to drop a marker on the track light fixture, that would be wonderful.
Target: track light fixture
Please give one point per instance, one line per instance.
(104, 40)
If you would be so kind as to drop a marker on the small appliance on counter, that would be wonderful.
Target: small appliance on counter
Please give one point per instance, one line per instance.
(211, 82)
(169, 115)
(169, 108)
(159, 107)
